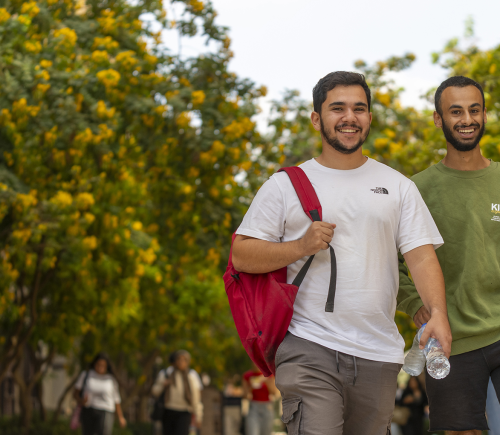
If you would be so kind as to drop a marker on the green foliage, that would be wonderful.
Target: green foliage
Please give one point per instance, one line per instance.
(118, 196)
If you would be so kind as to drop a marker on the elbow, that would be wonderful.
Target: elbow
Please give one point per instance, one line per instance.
(237, 262)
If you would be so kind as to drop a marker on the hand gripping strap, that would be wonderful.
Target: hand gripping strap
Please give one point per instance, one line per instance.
(312, 208)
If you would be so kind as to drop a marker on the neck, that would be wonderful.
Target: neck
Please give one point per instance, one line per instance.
(333, 159)
(465, 160)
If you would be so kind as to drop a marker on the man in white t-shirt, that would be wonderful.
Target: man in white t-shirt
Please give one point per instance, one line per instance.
(337, 370)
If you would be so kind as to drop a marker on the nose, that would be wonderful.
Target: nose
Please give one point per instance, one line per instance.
(467, 118)
(349, 116)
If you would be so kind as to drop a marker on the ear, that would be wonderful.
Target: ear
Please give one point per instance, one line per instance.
(438, 121)
(316, 121)
(371, 117)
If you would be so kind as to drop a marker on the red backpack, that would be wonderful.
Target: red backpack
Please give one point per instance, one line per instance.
(262, 304)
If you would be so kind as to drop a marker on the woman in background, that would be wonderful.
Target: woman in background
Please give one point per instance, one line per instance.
(181, 390)
(96, 391)
(415, 399)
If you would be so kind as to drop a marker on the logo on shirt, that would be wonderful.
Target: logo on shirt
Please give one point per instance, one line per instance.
(496, 218)
(380, 190)
(495, 208)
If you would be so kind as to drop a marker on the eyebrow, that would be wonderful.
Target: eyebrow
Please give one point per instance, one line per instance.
(457, 106)
(341, 103)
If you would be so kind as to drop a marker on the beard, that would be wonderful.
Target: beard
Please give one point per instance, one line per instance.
(336, 144)
(458, 144)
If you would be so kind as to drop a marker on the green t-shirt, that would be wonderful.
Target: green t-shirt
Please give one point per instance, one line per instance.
(466, 208)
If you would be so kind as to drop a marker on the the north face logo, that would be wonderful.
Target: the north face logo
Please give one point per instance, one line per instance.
(380, 190)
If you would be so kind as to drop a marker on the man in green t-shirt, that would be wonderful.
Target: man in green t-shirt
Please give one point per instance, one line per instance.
(462, 193)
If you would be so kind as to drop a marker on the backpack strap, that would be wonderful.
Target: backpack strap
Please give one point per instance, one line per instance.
(312, 208)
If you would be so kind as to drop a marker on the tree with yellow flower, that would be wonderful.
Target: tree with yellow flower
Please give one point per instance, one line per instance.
(118, 191)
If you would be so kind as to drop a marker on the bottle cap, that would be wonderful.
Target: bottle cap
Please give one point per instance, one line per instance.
(424, 324)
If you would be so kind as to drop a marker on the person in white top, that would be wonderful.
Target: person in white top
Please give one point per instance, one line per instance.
(181, 395)
(337, 370)
(96, 390)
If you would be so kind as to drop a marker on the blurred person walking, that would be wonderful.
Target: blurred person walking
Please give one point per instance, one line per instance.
(462, 192)
(257, 388)
(415, 400)
(181, 395)
(338, 364)
(96, 391)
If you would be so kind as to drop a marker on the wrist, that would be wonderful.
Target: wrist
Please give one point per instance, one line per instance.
(438, 311)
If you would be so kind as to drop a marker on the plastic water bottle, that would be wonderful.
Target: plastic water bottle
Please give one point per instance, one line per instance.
(415, 358)
(438, 365)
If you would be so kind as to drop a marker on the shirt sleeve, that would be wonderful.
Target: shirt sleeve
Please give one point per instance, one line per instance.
(265, 219)
(116, 392)
(159, 384)
(416, 225)
(79, 382)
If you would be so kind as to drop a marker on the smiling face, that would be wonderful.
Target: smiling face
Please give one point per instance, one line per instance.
(463, 117)
(345, 119)
(101, 366)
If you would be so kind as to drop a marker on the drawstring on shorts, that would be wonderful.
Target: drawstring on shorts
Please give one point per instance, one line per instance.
(355, 367)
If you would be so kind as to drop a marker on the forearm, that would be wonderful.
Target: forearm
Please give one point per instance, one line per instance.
(260, 256)
(119, 411)
(428, 278)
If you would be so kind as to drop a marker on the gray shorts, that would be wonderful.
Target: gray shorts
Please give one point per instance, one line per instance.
(318, 399)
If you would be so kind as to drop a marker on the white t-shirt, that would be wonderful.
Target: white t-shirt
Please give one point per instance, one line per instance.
(378, 212)
(101, 390)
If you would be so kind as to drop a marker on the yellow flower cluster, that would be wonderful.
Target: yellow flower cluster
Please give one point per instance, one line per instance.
(238, 128)
(126, 59)
(62, 199)
(22, 235)
(68, 38)
(218, 148)
(380, 143)
(183, 120)
(103, 112)
(107, 22)
(4, 15)
(42, 88)
(33, 46)
(105, 134)
(109, 77)
(107, 42)
(197, 5)
(100, 56)
(45, 63)
(25, 20)
(84, 200)
(197, 98)
(44, 75)
(30, 8)
(28, 200)
(90, 242)
(385, 99)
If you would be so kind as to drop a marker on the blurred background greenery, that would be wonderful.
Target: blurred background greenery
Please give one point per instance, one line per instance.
(124, 169)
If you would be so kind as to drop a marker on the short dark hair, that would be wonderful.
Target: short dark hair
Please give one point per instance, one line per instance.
(338, 78)
(456, 81)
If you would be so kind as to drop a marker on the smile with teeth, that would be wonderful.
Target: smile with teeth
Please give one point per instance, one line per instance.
(470, 130)
(347, 130)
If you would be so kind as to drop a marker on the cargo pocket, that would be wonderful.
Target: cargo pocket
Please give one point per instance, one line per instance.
(292, 415)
